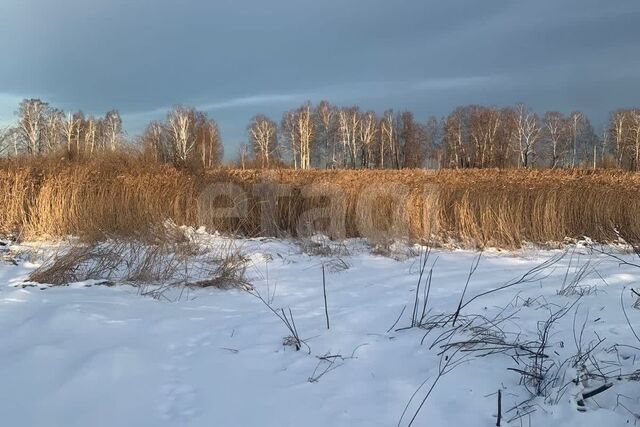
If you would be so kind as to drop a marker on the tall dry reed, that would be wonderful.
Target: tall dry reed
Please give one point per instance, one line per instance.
(121, 196)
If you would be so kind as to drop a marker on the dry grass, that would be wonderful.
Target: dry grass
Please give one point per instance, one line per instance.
(168, 262)
(124, 197)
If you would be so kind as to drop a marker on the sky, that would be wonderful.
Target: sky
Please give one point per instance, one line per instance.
(236, 58)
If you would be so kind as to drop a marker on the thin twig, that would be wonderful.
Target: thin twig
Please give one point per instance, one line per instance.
(324, 289)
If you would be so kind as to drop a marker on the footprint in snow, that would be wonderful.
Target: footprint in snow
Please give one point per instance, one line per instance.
(179, 398)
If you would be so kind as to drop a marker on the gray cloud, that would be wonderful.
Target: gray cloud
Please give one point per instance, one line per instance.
(235, 58)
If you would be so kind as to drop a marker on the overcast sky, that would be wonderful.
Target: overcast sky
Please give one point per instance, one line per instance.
(236, 58)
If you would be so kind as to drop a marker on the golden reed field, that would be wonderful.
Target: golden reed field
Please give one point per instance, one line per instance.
(121, 196)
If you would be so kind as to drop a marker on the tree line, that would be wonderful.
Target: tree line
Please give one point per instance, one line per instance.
(326, 136)
(186, 137)
(42, 129)
(329, 136)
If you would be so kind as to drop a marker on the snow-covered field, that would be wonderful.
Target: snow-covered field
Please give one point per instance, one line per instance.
(83, 355)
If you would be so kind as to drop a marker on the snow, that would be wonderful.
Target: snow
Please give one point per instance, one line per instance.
(86, 354)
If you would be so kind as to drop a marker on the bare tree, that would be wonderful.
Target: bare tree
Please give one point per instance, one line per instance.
(412, 141)
(507, 154)
(6, 138)
(31, 122)
(457, 151)
(348, 126)
(556, 133)
(289, 132)
(367, 135)
(79, 131)
(212, 150)
(576, 123)
(52, 132)
(112, 130)
(298, 130)
(634, 137)
(304, 131)
(527, 134)
(484, 124)
(325, 136)
(188, 137)
(180, 133)
(243, 153)
(264, 139)
(69, 128)
(617, 125)
(432, 144)
(388, 140)
(206, 137)
(90, 138)
(155, 143)
(479, 137)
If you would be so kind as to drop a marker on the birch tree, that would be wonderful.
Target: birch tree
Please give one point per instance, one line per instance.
(388, 143)
(455, 139)
(210, 145)
(576, 122)
(155, 143)
(634, 137)
(69, 128)
(264, 140)
(348, 126)
(325, 146)
(52, 138)
(556, 134)
(527, 134)
(411, 140)
(31, 121)
(304, 134)
(484, 124)
(181, 137)
(7, 135)
(367, 135)
(617, 127)
(289, 131)
(90, 131)
(112, 130)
